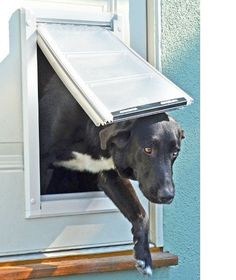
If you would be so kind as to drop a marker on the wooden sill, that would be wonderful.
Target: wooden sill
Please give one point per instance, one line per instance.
(74, 265)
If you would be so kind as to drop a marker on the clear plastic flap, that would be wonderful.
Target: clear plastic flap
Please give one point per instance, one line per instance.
(110, 81)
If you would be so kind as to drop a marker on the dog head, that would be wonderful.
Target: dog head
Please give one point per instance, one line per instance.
(145, 150)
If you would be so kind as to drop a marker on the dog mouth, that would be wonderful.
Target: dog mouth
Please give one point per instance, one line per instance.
(154, 197)
(164, 201)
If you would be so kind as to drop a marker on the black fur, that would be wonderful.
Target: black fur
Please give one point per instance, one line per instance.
(64, 128)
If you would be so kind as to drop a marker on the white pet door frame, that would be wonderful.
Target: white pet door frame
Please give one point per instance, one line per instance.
(61, 204)
(36, 206)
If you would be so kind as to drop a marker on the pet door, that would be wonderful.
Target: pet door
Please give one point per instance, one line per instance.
(109, 80)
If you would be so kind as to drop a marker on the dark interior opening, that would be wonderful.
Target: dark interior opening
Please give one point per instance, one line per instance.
(62, 180)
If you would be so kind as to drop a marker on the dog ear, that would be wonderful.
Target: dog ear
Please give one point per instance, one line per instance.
(118, 134)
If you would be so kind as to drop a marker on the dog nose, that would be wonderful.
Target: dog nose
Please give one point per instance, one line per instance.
(166, 196)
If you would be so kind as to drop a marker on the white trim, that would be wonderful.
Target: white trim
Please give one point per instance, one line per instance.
(154, 33)
(151, 31)
(74, 204)
(158, 36)
(30, 112)
(121, 27)
(156, 224)
(41, 6)
(154, 57)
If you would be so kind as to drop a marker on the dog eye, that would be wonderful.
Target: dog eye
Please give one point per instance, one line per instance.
(148, 150)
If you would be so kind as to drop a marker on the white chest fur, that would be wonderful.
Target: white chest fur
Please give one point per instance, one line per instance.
(84, 162)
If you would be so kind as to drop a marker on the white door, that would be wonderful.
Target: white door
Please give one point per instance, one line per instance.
(21, 230)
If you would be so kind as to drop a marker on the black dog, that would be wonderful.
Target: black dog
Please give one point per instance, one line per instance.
(143, 149)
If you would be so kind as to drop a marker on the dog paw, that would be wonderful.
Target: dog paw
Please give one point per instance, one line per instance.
(143, 268)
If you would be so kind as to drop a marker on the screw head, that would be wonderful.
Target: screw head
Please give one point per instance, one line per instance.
(32, 201)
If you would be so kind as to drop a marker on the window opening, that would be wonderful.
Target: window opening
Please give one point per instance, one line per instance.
(61, 180)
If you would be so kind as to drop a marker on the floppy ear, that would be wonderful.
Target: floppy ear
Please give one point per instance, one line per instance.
(118, 134)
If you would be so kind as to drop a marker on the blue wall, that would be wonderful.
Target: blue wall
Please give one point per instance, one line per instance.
(180, 62)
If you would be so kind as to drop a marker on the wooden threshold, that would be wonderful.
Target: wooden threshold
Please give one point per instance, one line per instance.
(82, 264)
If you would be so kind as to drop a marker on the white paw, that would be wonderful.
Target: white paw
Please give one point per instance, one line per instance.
(140, 265)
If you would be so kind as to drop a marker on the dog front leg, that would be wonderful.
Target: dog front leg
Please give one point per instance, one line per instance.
(121, 192)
